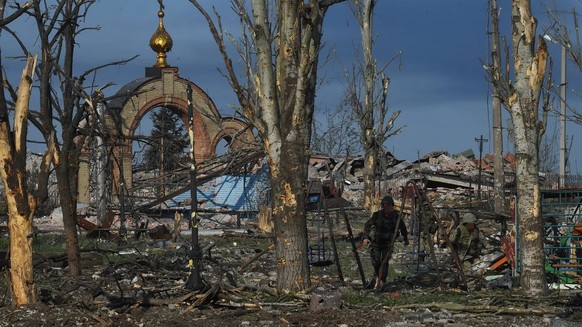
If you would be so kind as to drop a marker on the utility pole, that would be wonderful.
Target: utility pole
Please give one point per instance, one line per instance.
(498, 169)
(481, 140)
(562, 179)
(563, 82)
(194, 281)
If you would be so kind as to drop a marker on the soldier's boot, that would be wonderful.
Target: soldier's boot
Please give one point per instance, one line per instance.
(372, 284)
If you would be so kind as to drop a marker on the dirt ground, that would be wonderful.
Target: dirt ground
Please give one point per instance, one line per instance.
(70, 315)
(141, 283)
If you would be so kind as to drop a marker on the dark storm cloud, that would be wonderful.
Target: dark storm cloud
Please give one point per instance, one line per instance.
(437, 82)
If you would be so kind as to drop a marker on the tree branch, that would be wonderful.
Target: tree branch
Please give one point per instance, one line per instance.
(16, 14)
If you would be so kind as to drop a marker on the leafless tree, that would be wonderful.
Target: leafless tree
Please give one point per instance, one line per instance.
(564, 29)
(64, 103)
(521, 95)
(21, 204)
(279, 47)
(369, 102)
(560, 31)
(548, 155)
(61, 105)
(337, 135)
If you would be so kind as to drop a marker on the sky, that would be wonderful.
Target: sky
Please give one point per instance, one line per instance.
(438, 83)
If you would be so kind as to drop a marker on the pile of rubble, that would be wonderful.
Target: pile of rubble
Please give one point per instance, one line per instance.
(463, 167)
(453, 180)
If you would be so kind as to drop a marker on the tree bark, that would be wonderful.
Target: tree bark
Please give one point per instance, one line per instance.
(21, 205)
(296, 69)
(290, 222)
(265, 219)
(66, 175)
(279, 102)
(370, 164)
(529, 70)
(370, 145)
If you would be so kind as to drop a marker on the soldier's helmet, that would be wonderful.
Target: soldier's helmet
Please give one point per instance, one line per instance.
(388, 200)
(469, 218)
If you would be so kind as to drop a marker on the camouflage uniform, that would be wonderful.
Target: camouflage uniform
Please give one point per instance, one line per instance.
(468, 244)
(379, 229)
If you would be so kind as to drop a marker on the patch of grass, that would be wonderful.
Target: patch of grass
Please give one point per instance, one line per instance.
(5, 291)
(350, 267)
(360, 298)
(366, 298)
(236, 241)
(48, 243)
(4, 242)
(40, 243)
(440, 297)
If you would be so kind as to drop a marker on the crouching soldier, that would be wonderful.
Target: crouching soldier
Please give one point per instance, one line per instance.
(469, 243)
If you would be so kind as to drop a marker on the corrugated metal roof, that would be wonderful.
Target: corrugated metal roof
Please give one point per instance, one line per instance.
(228, 193)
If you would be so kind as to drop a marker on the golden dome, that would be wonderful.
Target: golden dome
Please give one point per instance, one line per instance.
(161, 42)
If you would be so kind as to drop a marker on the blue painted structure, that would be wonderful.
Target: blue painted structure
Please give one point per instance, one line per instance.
(228, 193)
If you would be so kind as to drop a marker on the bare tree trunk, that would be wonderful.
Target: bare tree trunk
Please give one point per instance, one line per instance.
(66, 175)
(279, 102)
(21, 202)
(57, 43)
(370, 146)
(372, 112)
(20, 226)
(295, 78)
(67, 171)
(290, 221)
(370, 164)
(21, 205)
(529, 65)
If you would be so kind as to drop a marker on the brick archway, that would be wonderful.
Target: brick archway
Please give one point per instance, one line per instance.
(164, 88)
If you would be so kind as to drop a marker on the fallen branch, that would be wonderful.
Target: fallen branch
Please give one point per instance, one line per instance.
(100, 320)
(178, 300)
(208, 297)
(261, 305)
(475, 308)
(259, 288)
(244, 266)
